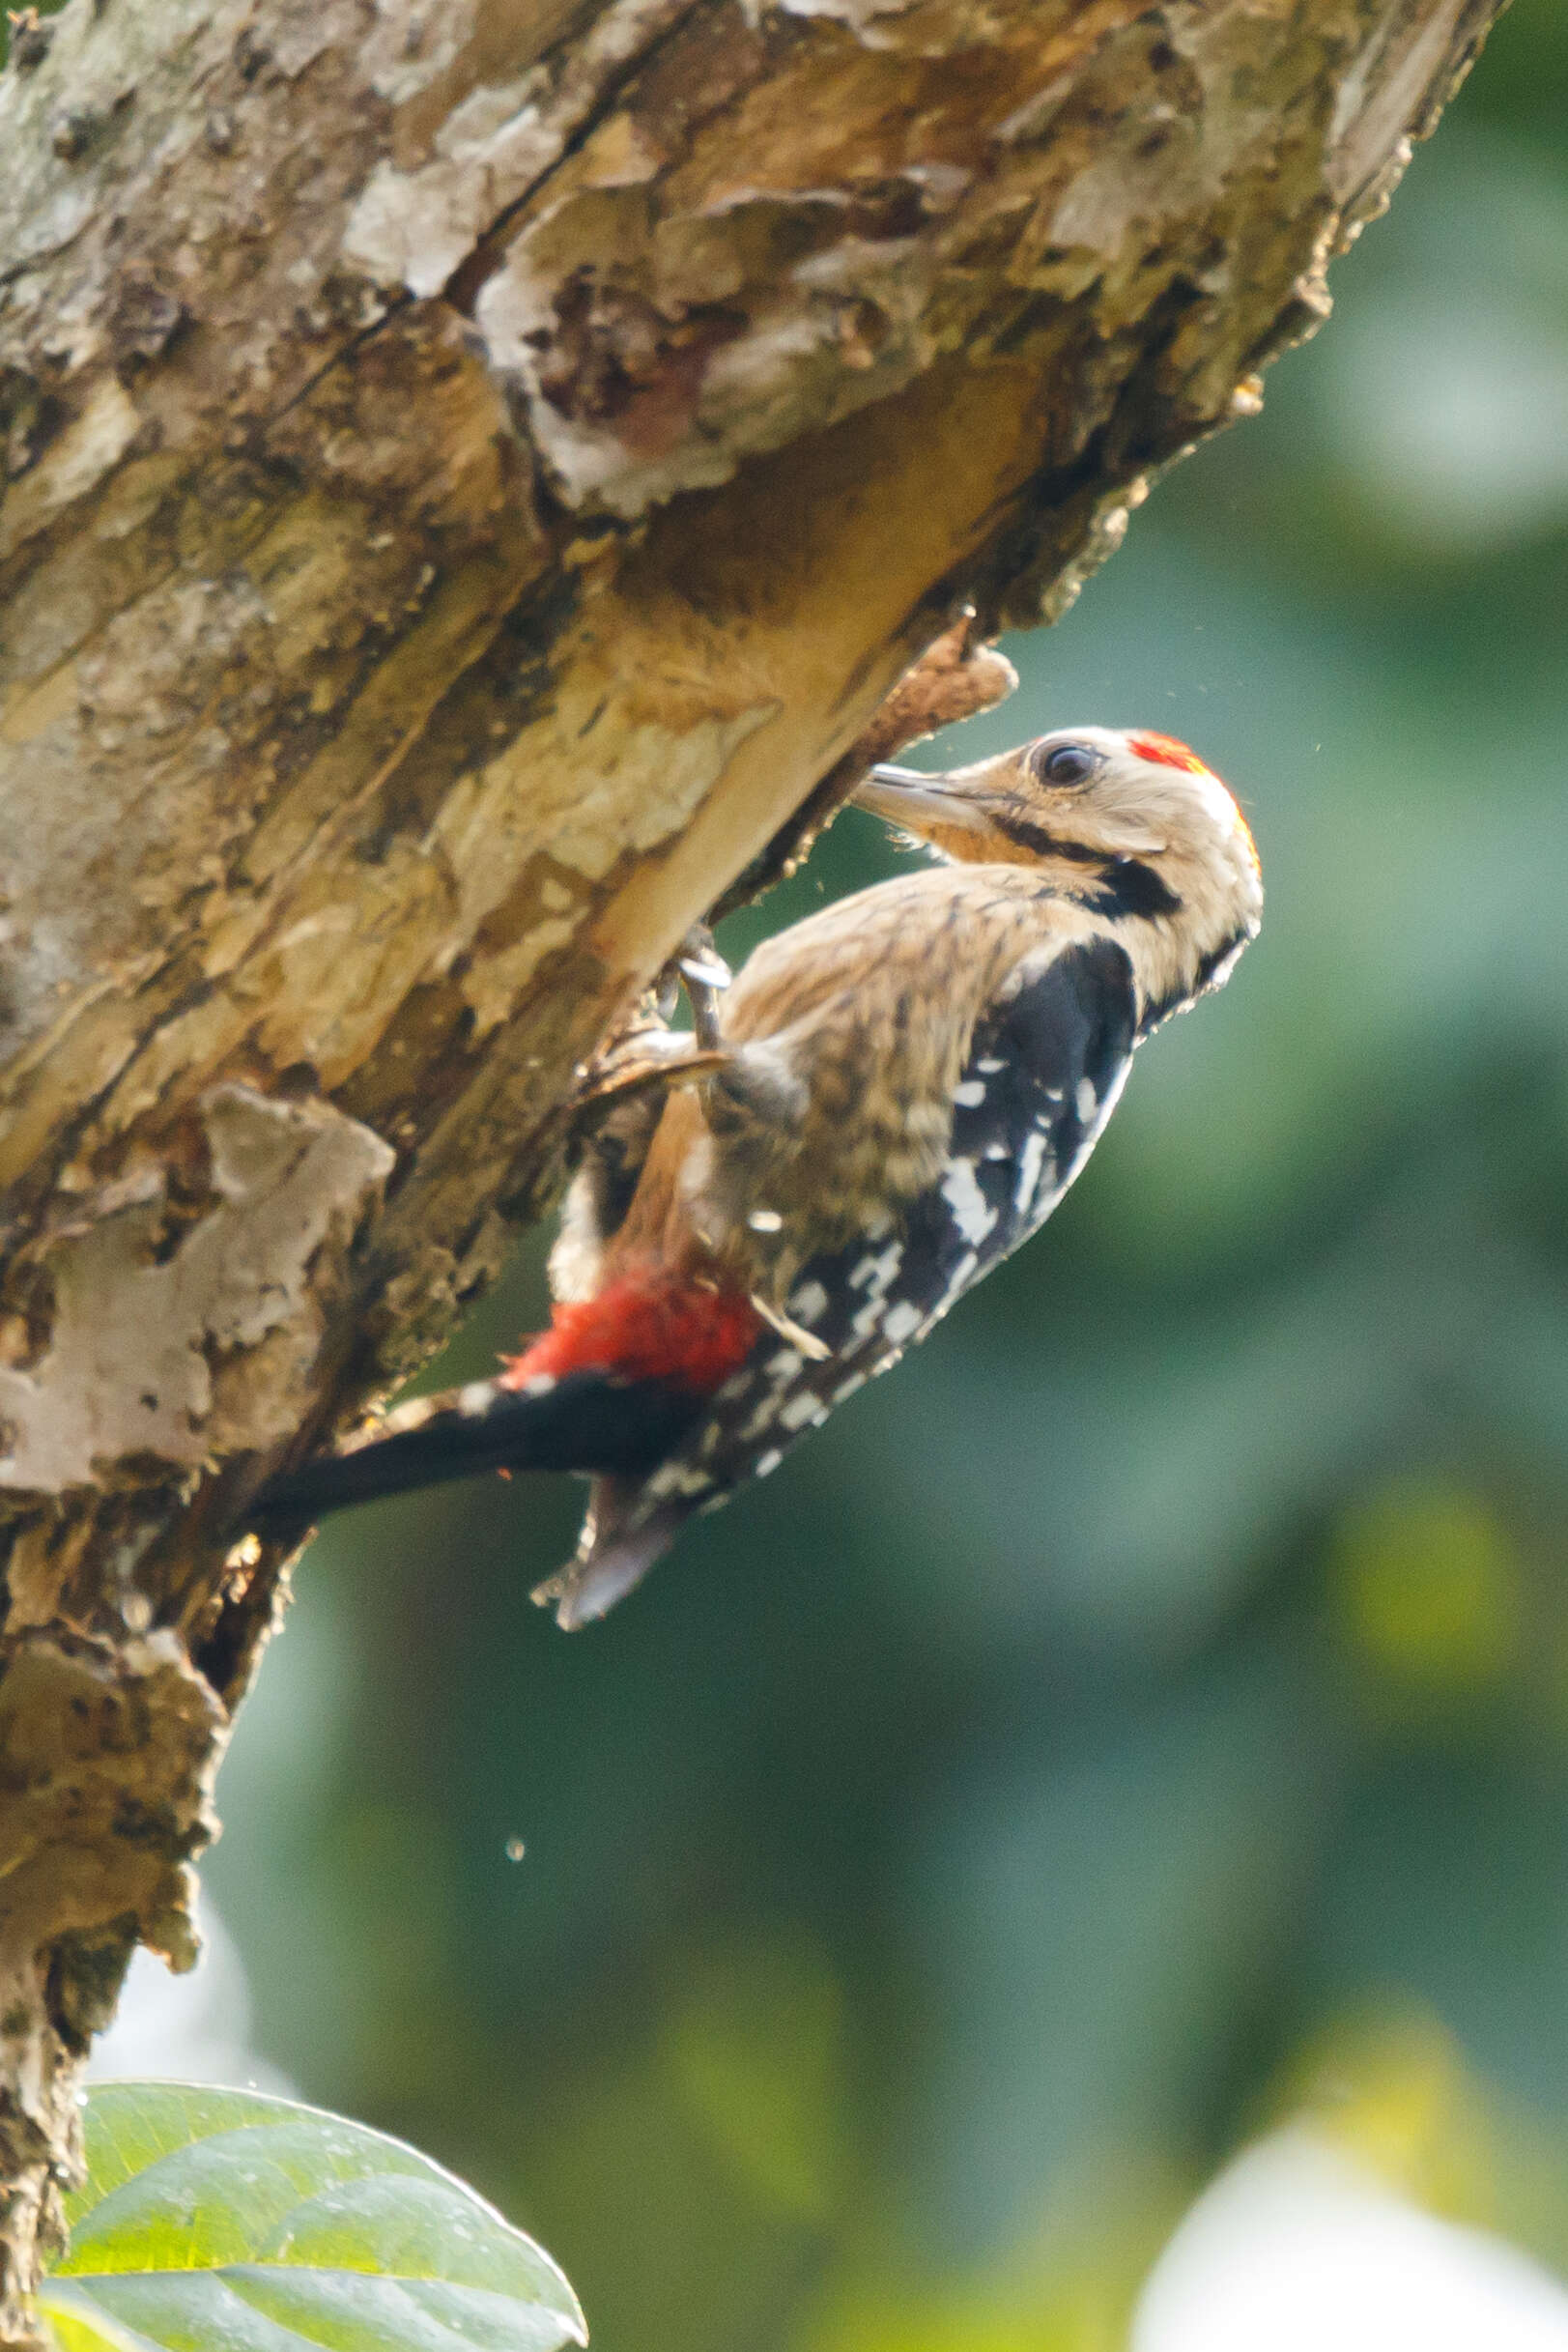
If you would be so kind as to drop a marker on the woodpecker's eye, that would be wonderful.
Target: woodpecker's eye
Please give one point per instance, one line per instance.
(1068, 764)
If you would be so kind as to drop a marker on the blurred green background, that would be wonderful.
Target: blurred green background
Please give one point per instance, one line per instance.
(1144, 1717)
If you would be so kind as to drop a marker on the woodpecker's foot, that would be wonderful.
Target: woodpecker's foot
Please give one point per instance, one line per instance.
(697, 967)
(652, 1055)
(650, 1058)
(813, 1349)
(705, 976)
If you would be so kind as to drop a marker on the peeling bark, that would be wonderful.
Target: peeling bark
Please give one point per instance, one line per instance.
(470, 474)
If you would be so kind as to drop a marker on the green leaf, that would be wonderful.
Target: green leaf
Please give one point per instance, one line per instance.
(217, 2221)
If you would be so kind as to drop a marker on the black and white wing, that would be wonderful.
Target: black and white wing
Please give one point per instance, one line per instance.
(1047, 1063)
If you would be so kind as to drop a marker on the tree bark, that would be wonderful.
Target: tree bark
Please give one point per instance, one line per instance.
(471, 472)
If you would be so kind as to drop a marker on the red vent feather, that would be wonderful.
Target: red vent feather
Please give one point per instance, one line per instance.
(644, 1326)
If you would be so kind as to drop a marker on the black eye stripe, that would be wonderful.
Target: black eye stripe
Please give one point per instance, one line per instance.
(1033, 838)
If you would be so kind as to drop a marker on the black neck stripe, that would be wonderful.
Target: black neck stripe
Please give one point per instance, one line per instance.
(1128, 887)
(1132, 888)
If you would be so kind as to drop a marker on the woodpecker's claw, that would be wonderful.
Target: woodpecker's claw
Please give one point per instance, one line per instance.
(703, 967)
(807, 1344)
(653, 1055)
(705, 975)
(651, 1059)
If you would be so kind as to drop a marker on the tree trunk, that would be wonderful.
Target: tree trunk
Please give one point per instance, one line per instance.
(471, 471)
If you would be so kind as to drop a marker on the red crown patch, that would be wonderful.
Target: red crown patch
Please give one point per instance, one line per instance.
(1167, 752)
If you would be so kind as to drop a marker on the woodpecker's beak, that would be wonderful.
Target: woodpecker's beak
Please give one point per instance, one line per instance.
(923, 805)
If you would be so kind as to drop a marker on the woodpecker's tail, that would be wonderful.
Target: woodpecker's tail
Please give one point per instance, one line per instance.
(585, 1421)
(619, 1544)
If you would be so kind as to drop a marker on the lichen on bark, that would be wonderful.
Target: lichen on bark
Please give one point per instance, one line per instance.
(469, 478)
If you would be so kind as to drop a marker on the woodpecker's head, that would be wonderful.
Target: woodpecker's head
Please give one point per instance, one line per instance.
(1130, 823)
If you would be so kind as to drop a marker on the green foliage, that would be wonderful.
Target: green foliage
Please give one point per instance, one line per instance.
(226, 2221)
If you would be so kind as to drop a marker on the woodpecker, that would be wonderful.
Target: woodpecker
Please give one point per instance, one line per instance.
(896, 1092)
